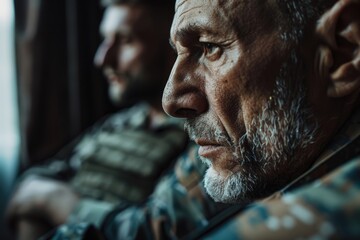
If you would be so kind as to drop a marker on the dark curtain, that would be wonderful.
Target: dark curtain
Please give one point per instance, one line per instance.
(60, 92)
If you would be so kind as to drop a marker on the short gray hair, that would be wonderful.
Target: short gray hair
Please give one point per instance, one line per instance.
(297, 14)
(145, 2)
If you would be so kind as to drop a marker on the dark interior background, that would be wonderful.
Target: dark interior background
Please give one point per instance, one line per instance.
(60, 91)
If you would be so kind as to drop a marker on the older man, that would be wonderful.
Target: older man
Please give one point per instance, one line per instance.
(270, 91)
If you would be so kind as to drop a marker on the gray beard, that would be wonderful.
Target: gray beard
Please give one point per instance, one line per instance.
(284, 126)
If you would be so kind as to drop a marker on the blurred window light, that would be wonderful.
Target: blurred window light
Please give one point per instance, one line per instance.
(6, 11)
(9, 133)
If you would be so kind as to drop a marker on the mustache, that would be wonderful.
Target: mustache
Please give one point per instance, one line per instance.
(200, 128)
(108, 72)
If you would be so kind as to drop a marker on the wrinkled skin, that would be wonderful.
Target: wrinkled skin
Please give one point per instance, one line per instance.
(225, 82)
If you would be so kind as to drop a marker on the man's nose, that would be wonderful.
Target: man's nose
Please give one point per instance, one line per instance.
(105, 54)
(182, 96)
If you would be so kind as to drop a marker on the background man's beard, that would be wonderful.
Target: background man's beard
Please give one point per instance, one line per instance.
(115, 93)
(139, 88)
(282, 128)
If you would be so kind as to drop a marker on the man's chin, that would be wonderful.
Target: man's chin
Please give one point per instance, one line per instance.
(206, 161)
(116, 94)
(222, 187)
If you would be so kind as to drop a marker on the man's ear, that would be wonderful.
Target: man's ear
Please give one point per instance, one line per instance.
(339, 29)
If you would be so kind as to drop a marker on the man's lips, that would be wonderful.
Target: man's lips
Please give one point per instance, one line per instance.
(208, 149)
(112, 78)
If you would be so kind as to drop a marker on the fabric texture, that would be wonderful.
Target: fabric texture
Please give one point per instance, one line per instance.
(322, 203)
(117, 162)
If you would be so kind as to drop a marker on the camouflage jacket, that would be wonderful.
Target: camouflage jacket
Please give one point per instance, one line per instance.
(178, 205)
(322, 203)
(118, 161)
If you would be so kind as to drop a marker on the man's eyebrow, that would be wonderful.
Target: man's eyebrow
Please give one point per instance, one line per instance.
(192, 32)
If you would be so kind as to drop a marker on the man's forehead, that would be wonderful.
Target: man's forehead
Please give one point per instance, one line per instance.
(239, 5)
(182, 5)
(225, 15)
(194, 10)
(202, 14)
(203, 8)
(186, 18)
(114, 18)
(125, 18)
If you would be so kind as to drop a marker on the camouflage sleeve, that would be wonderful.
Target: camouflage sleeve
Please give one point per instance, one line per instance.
(81, 231)
(326, 209)
(91, 211)
(169, 214)
(177, 206)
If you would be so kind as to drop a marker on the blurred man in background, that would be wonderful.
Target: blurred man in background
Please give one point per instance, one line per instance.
(120, 159)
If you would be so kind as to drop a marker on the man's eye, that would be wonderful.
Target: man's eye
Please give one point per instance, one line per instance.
(211, 51)
(126, 39)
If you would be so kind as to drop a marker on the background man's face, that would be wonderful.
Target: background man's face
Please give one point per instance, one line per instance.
(132, 55)
(241, 91)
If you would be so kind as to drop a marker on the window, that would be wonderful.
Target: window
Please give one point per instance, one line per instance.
(8, 104)
(9, 134)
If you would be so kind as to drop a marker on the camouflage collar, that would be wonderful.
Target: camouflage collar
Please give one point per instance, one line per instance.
(344, 146)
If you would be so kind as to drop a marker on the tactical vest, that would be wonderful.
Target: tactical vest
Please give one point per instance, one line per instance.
(123, 158)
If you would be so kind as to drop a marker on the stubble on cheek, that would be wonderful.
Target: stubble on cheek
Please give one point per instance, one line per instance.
(225, 161)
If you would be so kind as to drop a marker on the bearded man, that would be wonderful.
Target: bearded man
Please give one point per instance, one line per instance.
(270, 91)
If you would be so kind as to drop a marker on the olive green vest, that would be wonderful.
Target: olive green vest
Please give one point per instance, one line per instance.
(123, 158)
